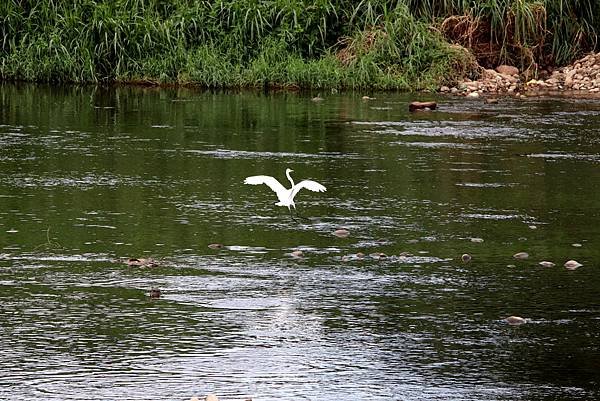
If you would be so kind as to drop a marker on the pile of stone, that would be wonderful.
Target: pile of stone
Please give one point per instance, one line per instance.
(582, 77)
(504, 79)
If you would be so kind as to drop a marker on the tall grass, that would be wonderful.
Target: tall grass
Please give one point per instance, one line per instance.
(307, 43)
(526, 32)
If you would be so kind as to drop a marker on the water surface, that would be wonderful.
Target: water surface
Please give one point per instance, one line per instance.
(90, 177)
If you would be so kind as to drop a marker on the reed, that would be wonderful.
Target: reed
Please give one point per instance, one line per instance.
(387, 44)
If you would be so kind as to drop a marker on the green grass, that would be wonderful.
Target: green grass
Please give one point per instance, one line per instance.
(295, 43)
(527, 32)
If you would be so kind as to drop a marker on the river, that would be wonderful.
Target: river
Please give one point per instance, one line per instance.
(93, 176)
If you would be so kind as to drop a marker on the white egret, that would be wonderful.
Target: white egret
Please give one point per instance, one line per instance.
(285, 196)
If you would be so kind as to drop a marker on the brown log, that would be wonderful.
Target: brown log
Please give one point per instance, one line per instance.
(422, 105)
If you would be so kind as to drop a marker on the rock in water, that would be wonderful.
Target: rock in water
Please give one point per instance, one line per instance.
(215, 246)
(134, 262)
(514, 320)
(422, 106)
(545, 263)
(521, 255)
(378, 255)
(466, 258)
(572, 264)
(297, 254)
(144, 262)
(341, 233)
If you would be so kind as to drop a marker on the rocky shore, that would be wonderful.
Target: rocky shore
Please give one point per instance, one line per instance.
(581, 78)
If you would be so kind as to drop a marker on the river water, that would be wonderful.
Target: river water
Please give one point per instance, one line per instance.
(92, 176)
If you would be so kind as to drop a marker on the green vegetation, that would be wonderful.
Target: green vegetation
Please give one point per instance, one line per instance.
(402, 44)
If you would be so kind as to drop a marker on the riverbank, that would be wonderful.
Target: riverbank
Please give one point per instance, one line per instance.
(378, 44)
(579, 79)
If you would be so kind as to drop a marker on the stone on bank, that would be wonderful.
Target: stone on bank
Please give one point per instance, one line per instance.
(581, 78)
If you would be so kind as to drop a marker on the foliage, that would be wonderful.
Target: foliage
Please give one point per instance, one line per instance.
(524, 32)
(307, 43)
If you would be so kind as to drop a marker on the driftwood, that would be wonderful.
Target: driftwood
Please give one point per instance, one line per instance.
(414, 106)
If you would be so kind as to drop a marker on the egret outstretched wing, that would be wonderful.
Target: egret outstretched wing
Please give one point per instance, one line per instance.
(285, 196)
(268, 181)
(308, 184)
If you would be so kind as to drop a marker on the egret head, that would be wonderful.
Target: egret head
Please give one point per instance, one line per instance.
(288, 170)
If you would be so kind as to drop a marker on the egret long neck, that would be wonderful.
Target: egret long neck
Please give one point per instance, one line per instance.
(289, 177)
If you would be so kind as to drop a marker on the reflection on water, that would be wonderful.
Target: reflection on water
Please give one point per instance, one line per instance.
(90, 177)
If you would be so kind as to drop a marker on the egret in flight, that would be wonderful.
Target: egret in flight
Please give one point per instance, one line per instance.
(285, 196)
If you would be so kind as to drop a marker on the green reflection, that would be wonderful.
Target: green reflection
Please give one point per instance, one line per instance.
(111, 173)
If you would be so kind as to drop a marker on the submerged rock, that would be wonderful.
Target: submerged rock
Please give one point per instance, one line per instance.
(515, 320)
(134, 262)
(215, 246)
(155, 293)
(546, 263)
(144, 262)
(476, 240)
(521, 255)
(572, 264)
(350, 257)
(341, 233)
(297, 253)
(378, 255)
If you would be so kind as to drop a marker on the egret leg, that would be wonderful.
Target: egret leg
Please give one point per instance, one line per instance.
(300, 216)
(292, 216)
